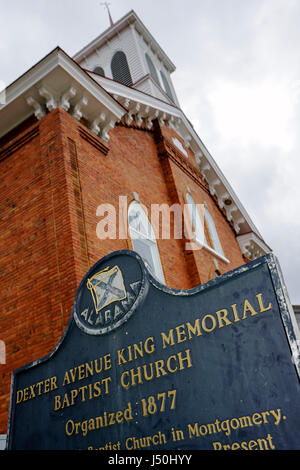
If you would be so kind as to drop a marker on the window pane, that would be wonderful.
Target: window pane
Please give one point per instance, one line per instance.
(166, 86)
(144, 250)
(139, 223)
(152, 69)
(143, 239)
(135, 223)
(213, 233)
(196, 220)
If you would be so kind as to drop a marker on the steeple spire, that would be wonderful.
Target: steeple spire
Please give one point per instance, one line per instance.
(106, 5)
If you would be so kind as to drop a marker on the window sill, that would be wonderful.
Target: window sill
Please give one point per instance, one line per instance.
(213, 252)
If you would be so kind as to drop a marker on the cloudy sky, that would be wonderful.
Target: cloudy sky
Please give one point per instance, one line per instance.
(237, 79)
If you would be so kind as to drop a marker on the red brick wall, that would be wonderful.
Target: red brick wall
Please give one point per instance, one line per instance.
(183, 176)
(130, 166)
(55, 175)
(37, 268)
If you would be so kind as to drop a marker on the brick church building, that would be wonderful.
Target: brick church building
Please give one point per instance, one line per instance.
(77, 133)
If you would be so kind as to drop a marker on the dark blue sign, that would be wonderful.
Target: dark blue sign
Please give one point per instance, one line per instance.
(142, 366)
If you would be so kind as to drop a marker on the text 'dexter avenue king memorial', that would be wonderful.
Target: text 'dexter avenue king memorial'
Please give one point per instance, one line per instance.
(145, 367)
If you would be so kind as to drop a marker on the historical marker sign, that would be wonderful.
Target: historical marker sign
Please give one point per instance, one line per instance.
(142, 366)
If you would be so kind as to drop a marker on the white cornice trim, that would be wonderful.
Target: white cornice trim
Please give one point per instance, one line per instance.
(122, 92)
(252, 246)
(58, 81)
(58, 58)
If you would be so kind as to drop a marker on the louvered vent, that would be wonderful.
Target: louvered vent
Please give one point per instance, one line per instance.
(120, 70)
(152, 69)
(166, 86)
(99, 70)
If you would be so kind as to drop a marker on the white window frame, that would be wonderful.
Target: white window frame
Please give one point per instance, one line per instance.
(152, 69)
(213, 232)
(196, 221)
(148, 238)
(198, 227)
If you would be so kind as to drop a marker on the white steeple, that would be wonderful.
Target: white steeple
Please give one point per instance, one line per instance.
(126, 52)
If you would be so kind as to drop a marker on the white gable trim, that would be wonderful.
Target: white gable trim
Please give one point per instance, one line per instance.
(58, 81)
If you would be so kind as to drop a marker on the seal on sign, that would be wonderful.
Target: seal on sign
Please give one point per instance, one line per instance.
(110, 293)
(106, 286)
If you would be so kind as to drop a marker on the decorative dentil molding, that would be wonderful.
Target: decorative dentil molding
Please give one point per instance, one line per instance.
(212, 186)
(51, 103)
(222, 198)
(251, 246)
(229, 211)
(39, 112)
(95, 126)
(237, 224)
(187, 140)
(78, 108)
(65, 99)
(48, 101)
(151, 118)
(108, 125)
(144, 114)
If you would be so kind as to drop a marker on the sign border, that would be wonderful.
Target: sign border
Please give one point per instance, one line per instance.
(285, 309)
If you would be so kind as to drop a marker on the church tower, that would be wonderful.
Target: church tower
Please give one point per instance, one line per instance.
(127, 53)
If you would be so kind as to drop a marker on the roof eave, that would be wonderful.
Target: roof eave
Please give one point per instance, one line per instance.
(56, 81)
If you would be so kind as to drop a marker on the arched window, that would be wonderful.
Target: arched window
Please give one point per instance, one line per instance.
(143, 239)
(196, 220)
(213, 232)
(119, 68)
(152, 69)
(205, 225)
(166, 85)
(99, 70)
